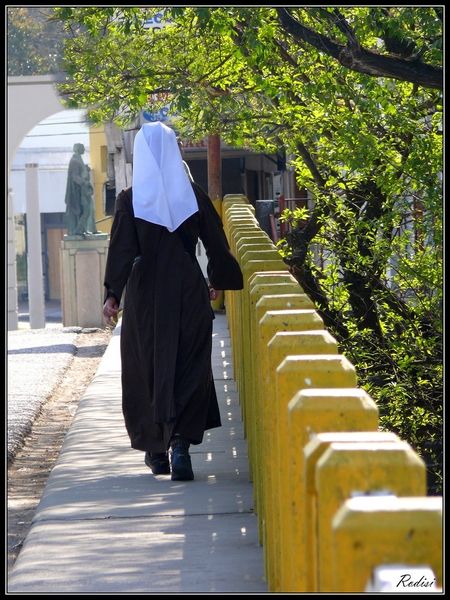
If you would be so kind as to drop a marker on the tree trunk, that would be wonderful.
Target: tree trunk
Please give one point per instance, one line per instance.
(214, 168)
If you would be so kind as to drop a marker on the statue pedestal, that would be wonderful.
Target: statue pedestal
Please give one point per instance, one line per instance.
(83, 261)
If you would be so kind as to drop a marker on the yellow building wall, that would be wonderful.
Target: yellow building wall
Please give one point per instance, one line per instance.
(98, 159)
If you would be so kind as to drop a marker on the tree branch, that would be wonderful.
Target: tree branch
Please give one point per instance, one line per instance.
(361, 60)
(310, 284)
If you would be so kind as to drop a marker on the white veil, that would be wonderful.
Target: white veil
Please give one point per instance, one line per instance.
(162, 193)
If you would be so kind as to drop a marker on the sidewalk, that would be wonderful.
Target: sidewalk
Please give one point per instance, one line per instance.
(105, 524)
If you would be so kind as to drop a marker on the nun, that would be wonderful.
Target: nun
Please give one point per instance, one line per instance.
(168, 393)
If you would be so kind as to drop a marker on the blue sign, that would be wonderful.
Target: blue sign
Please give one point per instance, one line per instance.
(157, 21)
(160, 115)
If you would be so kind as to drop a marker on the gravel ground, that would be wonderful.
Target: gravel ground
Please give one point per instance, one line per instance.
(37, 361)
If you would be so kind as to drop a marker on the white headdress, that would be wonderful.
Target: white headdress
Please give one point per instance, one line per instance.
(162, 193)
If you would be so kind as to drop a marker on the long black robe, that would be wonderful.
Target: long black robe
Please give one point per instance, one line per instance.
(166, 335)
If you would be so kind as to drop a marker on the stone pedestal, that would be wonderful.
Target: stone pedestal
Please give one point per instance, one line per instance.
(83, 261)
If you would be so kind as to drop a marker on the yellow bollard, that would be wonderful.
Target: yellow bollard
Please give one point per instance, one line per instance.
(258, 290)
(236, 199)
(264, 303)
(282, 276)
(246, 255)
(283, 301)
(238, 300)
(218, 205)
(346, 468)
(312, 412)
(273, 321)
(241, 226)
(369, 531)
(281, 345)
(259, 284)
(240, 218)
(273, 297)
(248, 269)
(238, 232)
(233, 299)
(248, 252)
(254, 240)
(305, 508)
(293, 374)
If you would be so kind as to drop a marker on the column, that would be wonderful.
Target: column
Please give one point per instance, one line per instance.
(35, 273)
(12, 274)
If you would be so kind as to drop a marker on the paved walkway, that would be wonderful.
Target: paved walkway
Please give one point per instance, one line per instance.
(105, 524)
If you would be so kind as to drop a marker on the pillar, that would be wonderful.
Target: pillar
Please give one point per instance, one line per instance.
(35, 274)
(12, 274)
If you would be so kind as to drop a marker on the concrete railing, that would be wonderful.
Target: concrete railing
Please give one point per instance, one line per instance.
(335, 497)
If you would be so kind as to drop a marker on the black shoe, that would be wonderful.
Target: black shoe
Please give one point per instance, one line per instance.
(158, 462)
(180, 460)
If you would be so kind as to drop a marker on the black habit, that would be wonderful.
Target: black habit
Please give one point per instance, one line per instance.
(166, 334)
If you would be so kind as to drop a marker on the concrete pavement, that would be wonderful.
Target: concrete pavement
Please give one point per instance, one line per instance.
(105, 524)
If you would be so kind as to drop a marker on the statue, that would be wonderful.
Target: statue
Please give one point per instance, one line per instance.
(80, 218)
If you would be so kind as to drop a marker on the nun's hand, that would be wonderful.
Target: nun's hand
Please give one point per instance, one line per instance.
(213, 293)
(110, 310)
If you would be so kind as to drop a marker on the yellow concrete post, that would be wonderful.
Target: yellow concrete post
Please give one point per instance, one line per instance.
(346, 468)
(239, 218)
(259, 284)
(237, 304)
(246, 257)
(311, 412)
(273, 321)
(369, 531)
(248, 269)
(312, 451)
(265, 303)
(235, 219)
(235, 231)
(230, 211)
(236, 199)
(293, 374)
(282, 276)
(233, 299)
(250, 252)
(255, 240)
(284, 301)
(265, 298)
(235, 205)
(281, 345)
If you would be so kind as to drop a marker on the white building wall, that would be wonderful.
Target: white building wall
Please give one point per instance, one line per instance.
(52, 177)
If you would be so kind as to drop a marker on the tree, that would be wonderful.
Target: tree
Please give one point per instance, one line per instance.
(34, 42)
(404, 58)
(368, 148)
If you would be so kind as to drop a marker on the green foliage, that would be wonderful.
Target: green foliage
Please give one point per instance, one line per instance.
(34, 41)
(404, 377)
(368, 149)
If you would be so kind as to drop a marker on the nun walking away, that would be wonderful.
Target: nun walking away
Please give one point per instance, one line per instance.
(168, 393)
